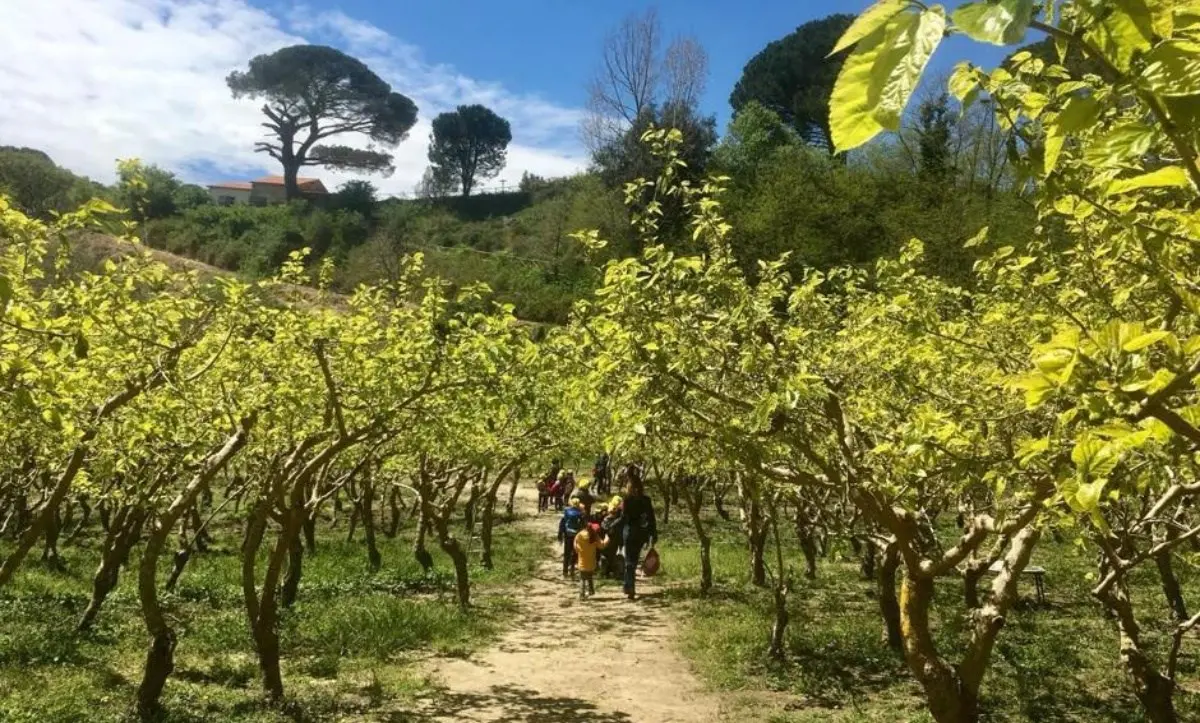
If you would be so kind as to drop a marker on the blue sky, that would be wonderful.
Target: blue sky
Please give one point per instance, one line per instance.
(91, 82)
(550, 47)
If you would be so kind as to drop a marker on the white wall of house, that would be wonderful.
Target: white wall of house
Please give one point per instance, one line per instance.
(269, 193)
(229, 196)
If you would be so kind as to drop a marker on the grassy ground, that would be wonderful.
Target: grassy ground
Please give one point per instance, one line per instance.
(1053, 664)
(349, 645)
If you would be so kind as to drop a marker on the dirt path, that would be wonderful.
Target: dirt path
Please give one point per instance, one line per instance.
(606, 660)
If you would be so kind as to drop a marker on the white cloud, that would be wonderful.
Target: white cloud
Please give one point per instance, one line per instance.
(90, 81)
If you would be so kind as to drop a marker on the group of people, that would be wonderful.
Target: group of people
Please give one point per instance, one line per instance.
(559, 484)
(605, 537)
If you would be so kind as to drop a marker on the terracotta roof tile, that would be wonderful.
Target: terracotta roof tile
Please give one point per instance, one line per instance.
(232, 185)
(278, 181)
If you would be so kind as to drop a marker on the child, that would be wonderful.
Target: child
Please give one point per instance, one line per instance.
(567, 480)
(556, 494)
(585, 495)
(588, 544)
(571, 524)
(611, 527)
(543, 489)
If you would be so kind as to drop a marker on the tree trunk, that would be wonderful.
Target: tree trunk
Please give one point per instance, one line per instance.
(394, 519)
(355, 513)
(889, 605)
(160, 663)
(1154, 690)
(291, 171)
(105, 516)
(758, 567)
(694, 499)
(85, 517)
(779, 627)
(666, 515)
(264, 609)
(510, 509)
(867, 566)
(487, 519)
(182, 555)
(419, 551)
(160, 658)
(453, 549)
(50, 552)
(118, 542)
(310, 531)
(971, 577)
(200, 537)
(945, 697)
(719, 504)
(291, 580)
(1170, 586)
(808, 546)
(374, 559)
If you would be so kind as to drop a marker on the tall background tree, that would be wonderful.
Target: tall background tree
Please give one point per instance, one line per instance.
(311, 93)
(794, 76)
(471, 143)
(636, 74)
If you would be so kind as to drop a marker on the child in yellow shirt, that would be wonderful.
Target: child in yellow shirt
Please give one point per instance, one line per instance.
(588, 544)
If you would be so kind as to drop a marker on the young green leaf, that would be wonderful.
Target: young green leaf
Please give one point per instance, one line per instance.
(1126, 27)
(1165, 177)
(1078, 113)
(1122, 145)
(852, 105)
(998, 23)
(1173, 68)
(871, 20)
(921, 41)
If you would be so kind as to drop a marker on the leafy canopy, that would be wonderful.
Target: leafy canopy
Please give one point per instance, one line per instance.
(471, 143)
(793, 77)
(311, 93)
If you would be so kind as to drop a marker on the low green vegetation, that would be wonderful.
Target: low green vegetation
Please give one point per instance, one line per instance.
(352, 642)
(1055, 663)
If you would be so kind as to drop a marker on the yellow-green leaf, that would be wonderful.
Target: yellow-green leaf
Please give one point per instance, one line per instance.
(1144, 340)
(919, 45)
(998, 23)
(1126, 27)
(1078, 112)
(1166, 177)
(963, 80)
(1121, 145)
(856, 92)
(871, 20)
(1173, 68)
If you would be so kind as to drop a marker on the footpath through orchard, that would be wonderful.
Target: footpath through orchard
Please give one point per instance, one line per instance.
(606, 660)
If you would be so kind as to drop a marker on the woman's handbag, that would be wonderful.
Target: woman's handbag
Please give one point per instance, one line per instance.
(650, 566)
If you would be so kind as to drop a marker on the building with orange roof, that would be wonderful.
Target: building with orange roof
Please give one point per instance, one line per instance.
(263, 191)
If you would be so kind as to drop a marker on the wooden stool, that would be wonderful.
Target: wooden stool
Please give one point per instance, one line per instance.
(1037, 573)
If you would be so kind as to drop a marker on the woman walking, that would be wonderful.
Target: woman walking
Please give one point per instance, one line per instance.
(639, 525)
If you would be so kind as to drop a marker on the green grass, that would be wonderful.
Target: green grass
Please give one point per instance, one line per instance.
(1053, 664)
(350, 644)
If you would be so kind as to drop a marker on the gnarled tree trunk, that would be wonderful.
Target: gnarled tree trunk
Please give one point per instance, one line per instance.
(125, 530)
(694, 498)
(1154, 690)
(160, 658)
(889, 605)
